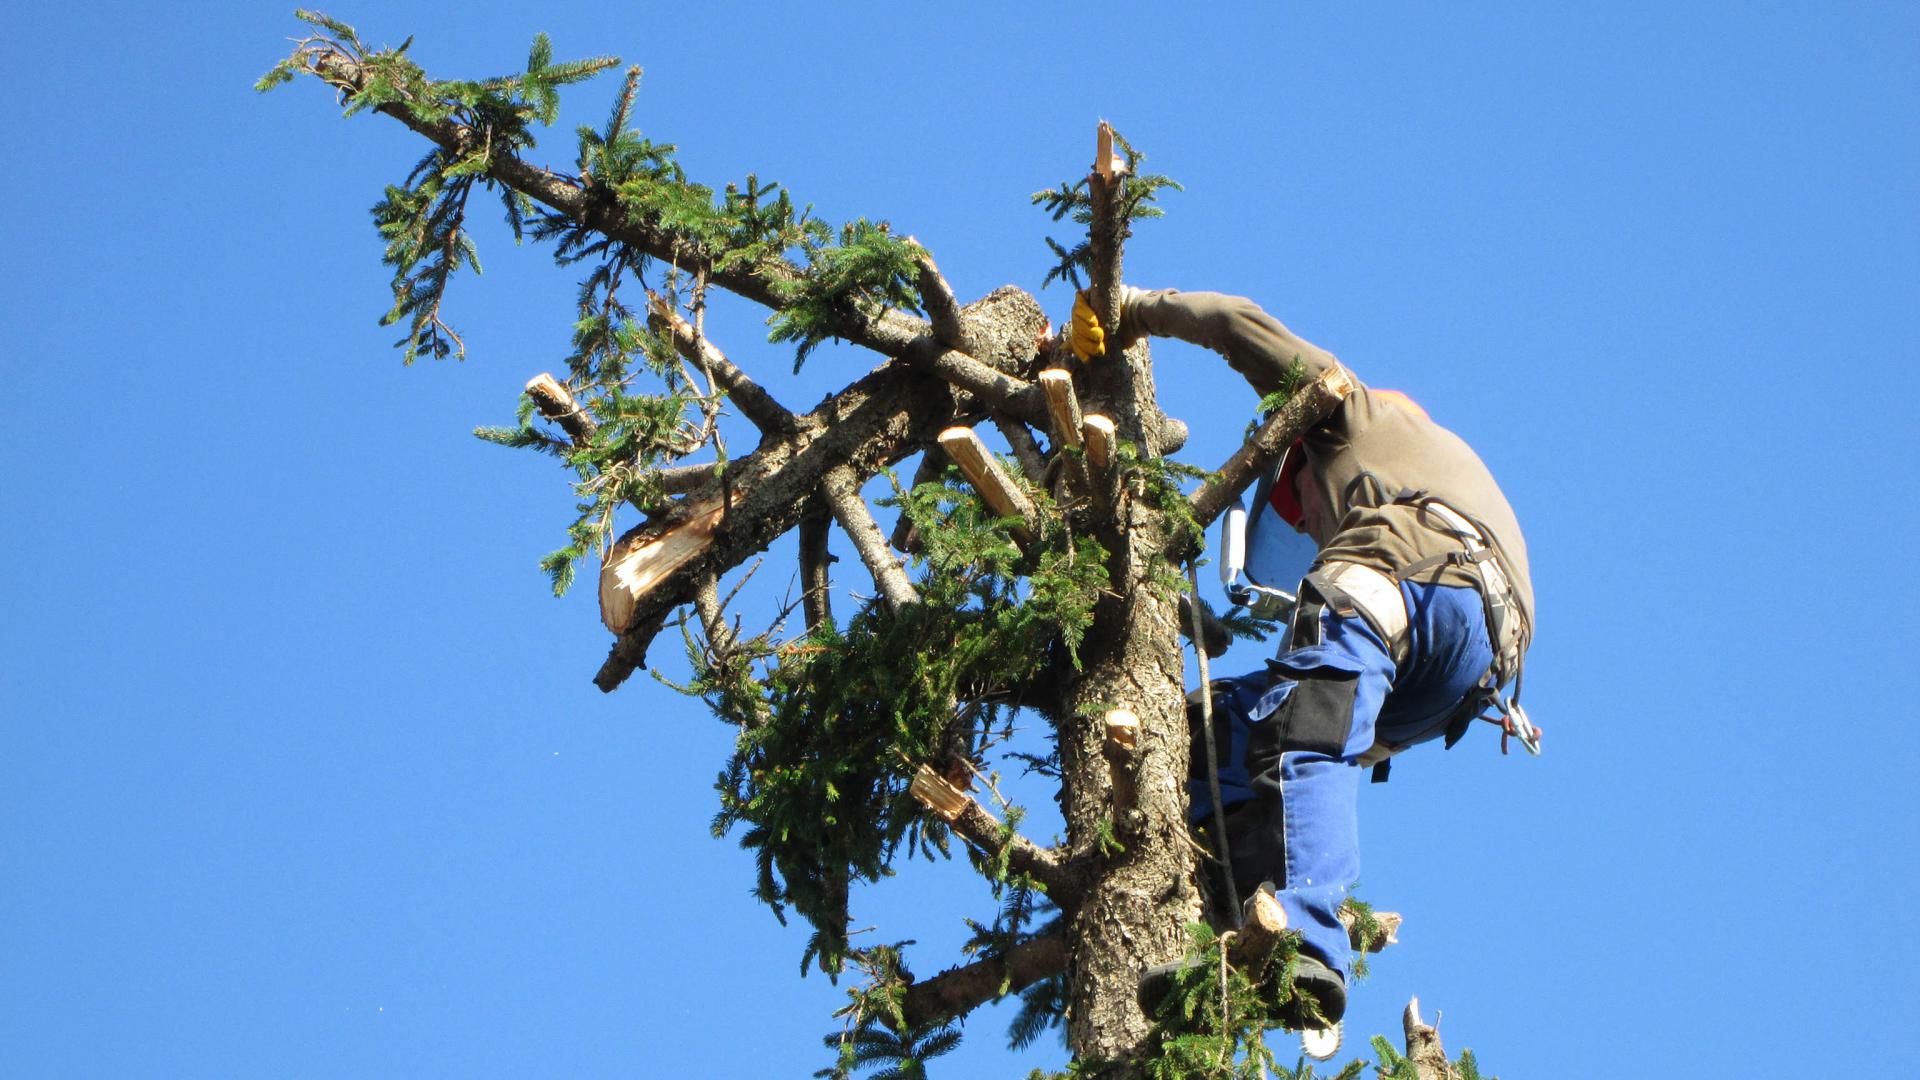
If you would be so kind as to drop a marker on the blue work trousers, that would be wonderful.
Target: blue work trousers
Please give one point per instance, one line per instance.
(1288, 738)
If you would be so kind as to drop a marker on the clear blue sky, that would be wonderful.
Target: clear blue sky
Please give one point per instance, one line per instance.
(301, 771)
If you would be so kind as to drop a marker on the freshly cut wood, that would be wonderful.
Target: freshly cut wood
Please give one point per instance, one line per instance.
(642, 560)
(936, 794)
(1106, 163)
(1063, 406)
(1099, 433)
(557, 404)
(1389, 922)
(1123, 734)
(1262, 921)
(1003, 497)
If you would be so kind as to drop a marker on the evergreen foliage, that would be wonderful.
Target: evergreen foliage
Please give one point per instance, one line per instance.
(832, 723)
(1395, 1066)
(1139, 195)
(877, 1034)
(752, 228)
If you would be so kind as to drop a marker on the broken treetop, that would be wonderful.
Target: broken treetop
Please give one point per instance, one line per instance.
(1402, 448)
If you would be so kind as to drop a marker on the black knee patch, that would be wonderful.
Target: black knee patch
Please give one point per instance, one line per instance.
(1317, 716)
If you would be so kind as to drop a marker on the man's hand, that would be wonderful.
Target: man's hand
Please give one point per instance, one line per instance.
(1083, 330)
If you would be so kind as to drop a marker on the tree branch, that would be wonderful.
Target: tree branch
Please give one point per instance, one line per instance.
(1107, 232)
(764, 281)
(942, 307)
(815, 586)
(841, 489)
(1429, 1058)
(932, 463)
(1003, 496)
(1308, 406)
(712, 613)
(756, 404)
(1025, 449)
(684, 478)
(557, 404)
(1015, 397)
(890, 413)
(983, 831)
(957, 991)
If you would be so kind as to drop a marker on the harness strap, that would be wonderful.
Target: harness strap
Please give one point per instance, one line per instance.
(1351, 588)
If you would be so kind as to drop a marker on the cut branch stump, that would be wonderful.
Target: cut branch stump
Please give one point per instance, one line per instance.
(1123, 736)
(1003, 496)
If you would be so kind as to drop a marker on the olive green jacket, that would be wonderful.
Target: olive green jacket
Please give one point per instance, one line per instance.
(1370, 433)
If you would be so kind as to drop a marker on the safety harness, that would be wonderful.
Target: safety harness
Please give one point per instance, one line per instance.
(1351, 588)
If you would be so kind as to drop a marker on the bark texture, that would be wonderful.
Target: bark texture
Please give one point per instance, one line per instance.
(893, 412)
(1423, 1046)
(1139, 897)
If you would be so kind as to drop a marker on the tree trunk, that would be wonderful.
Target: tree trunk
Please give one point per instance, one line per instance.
(1138, 899)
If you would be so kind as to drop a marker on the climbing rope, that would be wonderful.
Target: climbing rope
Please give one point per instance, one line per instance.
(1213, 758)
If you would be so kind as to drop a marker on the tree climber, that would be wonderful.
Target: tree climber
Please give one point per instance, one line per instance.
(1415, 613)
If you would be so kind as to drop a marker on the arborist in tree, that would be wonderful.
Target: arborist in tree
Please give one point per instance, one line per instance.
(1411, 617)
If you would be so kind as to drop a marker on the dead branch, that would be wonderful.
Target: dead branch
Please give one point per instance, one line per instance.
(1026, 451)
(557, 404)
(942, 307)
(684, 478)
(712, 613)
(841, 489)
(755, 403)
(890, 413)
(1010, 395)
(815, 583)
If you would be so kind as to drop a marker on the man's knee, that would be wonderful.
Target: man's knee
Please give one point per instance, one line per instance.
(1316, 717)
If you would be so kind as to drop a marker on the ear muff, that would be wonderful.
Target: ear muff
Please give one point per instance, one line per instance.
(1282, 497)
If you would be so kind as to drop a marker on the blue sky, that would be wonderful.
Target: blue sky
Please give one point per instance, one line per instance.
(302, 770)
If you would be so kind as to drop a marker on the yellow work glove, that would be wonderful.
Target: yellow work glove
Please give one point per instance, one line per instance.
(1084, 333)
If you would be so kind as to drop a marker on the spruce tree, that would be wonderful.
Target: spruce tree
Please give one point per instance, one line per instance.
(1045, 584)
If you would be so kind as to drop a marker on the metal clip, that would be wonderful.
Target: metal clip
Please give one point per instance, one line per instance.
(1518, 726)
(1264, 603)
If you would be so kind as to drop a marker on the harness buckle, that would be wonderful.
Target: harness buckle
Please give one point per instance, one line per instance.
(1514, 723)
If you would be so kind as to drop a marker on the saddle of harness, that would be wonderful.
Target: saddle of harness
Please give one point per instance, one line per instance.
(1350, 589)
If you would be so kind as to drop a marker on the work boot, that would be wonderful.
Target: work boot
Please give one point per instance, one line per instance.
(1315, 982)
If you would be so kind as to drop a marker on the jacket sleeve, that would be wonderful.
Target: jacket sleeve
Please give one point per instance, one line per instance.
(1254, 343)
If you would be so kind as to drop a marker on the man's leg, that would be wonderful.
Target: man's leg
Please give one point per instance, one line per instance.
(1301, 827)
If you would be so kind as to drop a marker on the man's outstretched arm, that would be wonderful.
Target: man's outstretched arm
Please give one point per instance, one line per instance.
(1254, 343)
